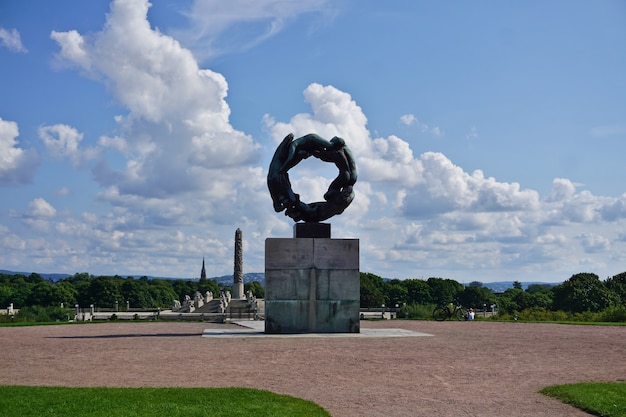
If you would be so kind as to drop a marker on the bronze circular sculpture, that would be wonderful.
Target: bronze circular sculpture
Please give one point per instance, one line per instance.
(288, 154)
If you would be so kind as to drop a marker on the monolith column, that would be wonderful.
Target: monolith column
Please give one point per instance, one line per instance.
(238, 293)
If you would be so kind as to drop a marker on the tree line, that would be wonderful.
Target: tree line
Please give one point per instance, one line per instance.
(84, 290)
(582, 295)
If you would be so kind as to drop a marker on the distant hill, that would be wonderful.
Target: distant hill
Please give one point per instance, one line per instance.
(249, 277)
(48, 277)
(224, 279)
(505, 285)
(500, 286)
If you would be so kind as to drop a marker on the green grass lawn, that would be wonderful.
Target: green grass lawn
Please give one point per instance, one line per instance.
(605, 399)
(150, 402)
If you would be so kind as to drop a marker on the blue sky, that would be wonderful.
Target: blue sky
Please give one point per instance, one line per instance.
(489, 136)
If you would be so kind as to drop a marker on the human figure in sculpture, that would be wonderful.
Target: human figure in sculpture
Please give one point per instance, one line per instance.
(306, 146)
(342, 157)
(277, 180)
(288, 154)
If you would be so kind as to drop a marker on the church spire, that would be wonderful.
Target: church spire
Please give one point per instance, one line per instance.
(203, 272)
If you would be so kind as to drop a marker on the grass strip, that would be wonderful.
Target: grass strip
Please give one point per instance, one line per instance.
(26, 401)
(605, 399)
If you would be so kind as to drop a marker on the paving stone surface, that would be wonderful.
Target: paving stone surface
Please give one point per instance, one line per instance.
(463, 369)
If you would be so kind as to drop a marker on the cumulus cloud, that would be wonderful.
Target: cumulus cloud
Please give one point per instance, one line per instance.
(17, 165)
(39, 216)
(614, 209)
(64, 141)
(562, 190)
(445, 187)
(435, 213)
(408, 119)
(177, 178)
(11, 40)
(421, 186)
(177, 130)
(41, 208)
(594, 243)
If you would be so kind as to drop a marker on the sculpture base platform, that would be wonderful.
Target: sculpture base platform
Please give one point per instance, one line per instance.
(312, 285)
(238, 293)
(313, 230)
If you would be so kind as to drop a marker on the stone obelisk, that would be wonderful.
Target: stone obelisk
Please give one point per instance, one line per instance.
(238, 273)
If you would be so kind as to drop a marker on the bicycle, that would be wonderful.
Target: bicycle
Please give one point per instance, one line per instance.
(452, 311)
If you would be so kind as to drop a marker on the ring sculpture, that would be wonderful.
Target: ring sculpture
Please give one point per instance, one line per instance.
(288, 154)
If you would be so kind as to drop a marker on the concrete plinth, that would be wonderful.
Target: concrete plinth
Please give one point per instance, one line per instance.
(238, 293)
(315, 230)
(312, 285)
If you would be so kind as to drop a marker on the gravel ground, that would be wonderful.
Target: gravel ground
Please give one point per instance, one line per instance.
(465, 369)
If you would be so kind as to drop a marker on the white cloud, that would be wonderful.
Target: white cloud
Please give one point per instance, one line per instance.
(41, 208)
(40, 216)
(562, 190)
(614, 209)
(438, 216)
(594, 243)
(176, 178)
(12, 40)
(217, 27)
(117, 143)
(177, 135)
(408, 119)
(411, 119)
(446, 187)
(17, 165)
(63, 141)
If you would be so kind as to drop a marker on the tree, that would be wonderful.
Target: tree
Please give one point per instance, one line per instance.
(257, 289)
(104, 291)
(617, 284)
(184, 287)
(418, 291)
(443, 290)
(372, 294)
(583, 292)
(205, 285)
(476, 297)
(136, 293)
(161, 293)
(395, 293)
(541, 295)
(42, 295)
(18, 291)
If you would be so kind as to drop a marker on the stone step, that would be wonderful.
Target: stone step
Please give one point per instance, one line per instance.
(212, 306)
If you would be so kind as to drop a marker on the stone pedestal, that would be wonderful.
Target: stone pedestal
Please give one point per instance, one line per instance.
(312, 285)
(315, 230)
(238, 293)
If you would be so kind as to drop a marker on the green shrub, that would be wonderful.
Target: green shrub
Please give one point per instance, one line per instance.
(42, 314)
(417, 311)
(613, 314)
(541, 314)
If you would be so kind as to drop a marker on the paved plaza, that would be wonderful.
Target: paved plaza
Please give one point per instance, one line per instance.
(394, 368)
